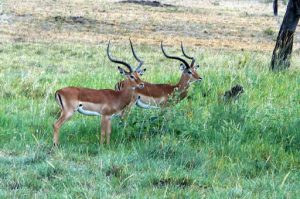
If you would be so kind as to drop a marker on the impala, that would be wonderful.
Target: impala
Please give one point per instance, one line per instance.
(105, 102)
(155, 95)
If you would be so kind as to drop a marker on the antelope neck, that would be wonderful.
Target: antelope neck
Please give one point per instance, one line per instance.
(183, 83)
(127, 94)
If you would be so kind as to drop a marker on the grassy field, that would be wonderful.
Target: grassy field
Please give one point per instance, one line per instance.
(198, 148)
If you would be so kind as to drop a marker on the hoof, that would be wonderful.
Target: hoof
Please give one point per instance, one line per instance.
(55, 145)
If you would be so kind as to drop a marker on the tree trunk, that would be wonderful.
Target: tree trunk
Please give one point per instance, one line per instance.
(284, 44)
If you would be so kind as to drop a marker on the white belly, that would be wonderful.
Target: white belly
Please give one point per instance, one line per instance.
(147, 102)
(87, 112)
(143, 105)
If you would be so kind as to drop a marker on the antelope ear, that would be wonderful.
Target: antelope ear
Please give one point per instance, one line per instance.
(122, 71)
(182, 67)
(141, 72)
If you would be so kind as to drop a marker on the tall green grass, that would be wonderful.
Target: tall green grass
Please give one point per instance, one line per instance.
(200, 147)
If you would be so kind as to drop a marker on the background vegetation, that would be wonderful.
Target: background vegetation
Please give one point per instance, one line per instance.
(201, 147)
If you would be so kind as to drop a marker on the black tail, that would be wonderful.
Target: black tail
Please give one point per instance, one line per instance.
(58, 97)
(275, 7)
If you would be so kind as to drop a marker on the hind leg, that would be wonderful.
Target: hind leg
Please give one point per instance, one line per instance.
(64, 116)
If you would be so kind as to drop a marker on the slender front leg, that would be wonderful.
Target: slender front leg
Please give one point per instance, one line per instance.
(108, 130)
(103, 128)
(122, 114)
(126, 110)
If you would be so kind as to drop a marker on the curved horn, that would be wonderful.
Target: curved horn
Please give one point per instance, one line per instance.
(117, 61)
(133, 52)
(173, 57)
(189, 57)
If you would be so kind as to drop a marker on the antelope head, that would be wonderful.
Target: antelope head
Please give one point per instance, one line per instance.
(188, 70)
(132, 76)
(138, 69)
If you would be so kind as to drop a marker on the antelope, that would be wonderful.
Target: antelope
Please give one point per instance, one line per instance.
(105, 102)
(157, 95)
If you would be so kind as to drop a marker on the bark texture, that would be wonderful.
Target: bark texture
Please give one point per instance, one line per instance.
(284, 44)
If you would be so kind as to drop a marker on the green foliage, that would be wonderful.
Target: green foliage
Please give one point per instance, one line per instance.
(248, 148)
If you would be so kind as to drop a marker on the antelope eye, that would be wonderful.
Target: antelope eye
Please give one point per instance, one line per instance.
(131, 77)
(189, 72)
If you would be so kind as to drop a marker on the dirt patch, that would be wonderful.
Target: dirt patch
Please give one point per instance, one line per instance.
(194, 22)
(14, 185)
(76, 23)
(183, 182)
(73, 20)
(2, 154)
(10, 18)
(180, 182)
(116, 171)
(8, 154)
(148, 3)
(4, 18)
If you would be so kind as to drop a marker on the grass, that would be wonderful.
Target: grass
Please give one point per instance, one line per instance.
(201, 147)
(198, 148)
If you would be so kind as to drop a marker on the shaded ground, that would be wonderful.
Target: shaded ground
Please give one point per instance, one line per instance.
(210, 24)
(148, 3)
